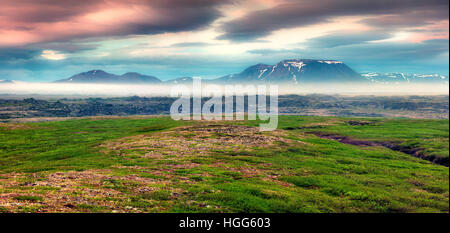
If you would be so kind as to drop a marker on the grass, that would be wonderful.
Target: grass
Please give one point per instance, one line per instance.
(68, 144)
(29, 198)
(160, 165)
(431, 136)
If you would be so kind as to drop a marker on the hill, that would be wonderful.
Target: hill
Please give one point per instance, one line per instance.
(155, 164)
(100, 76)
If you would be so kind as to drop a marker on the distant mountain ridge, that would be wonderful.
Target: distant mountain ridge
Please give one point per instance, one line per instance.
(100, 76)
(181, 80)
(6, 81)
(404, 78)
(292, 71)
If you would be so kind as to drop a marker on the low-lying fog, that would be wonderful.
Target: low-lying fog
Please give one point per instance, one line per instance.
(60, 89)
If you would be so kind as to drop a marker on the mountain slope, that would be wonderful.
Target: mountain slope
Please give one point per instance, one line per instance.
(138, 78)
(297, 71)
(100, 76)
(182, 80)
(250, 74)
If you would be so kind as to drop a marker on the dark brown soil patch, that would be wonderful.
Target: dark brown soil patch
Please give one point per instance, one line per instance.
(360, 123)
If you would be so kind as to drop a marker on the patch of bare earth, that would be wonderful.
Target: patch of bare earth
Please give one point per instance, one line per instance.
(13, 126)
(201, 141)
(196, 141)
(74, 190)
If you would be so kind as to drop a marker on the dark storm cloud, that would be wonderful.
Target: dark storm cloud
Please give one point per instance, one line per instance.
(300, 13)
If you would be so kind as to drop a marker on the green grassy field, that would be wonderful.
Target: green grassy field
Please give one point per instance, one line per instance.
(155, 164)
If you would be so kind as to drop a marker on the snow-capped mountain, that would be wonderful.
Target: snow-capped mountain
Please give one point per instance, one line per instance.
(386, 78)
(297, 71)
(100, 76)
(294, 71)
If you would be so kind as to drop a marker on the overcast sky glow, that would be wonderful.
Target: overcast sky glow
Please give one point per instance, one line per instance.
(45, 40)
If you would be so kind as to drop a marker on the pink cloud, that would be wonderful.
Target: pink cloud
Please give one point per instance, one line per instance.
(27, 22)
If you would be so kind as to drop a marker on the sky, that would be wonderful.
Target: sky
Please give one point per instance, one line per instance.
(47, 40)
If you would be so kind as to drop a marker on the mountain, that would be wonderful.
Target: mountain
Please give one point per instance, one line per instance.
(182, 80)
(252, 73)
(293, 71)
(136, 78)
(100, 76)
(297, 71)
(384, 78)
(6, 81)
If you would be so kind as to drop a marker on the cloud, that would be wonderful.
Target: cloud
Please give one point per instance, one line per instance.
(47, 40)
(38, 21)
(65, 46)
(265, 52)
(413, 18)
(53, 55)
(400, 52)
(425, 57)
(430, 56)
(190, 44)
(37, 68)
(342, 38)
(291, 14)
(13, 54)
